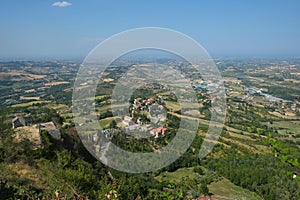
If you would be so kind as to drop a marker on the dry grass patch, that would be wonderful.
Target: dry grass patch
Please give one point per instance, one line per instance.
(56, 83)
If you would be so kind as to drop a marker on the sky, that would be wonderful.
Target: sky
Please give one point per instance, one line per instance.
(72, 28)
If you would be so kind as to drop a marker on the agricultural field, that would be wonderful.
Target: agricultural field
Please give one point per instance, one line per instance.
(31, 103)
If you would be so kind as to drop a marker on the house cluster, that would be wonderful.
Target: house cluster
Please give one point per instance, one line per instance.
(254, 90)
(129, 125)
(160, 131)
(285, 108)
(141, 104)
(204, 86)
(128, 121)
(156, 132)
(261, 92)
(137, 106)
(275, 103)
(295, 106)
(135, 123)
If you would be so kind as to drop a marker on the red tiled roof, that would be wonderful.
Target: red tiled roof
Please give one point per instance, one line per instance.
(204, 198)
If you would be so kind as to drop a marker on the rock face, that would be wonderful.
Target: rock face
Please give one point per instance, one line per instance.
(51, 129)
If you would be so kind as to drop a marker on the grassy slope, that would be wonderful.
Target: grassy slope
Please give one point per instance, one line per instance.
(224, 190)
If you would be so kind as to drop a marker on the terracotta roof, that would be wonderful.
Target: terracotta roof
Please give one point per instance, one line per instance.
(204, 198)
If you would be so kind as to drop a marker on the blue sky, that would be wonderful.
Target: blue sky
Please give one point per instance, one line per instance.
(36, 29)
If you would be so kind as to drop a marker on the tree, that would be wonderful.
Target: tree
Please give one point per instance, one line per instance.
(204, 189)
